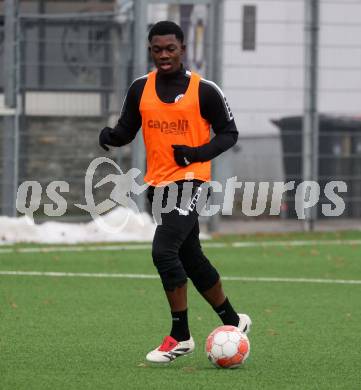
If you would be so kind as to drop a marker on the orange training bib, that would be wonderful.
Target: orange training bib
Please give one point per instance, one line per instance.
(165, 124)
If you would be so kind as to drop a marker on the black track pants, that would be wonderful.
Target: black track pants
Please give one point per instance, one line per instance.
(176, 249)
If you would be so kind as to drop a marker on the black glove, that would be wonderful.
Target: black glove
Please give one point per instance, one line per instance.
(184, 155)
(105, 138)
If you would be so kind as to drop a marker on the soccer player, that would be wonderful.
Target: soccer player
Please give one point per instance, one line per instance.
(175, 109)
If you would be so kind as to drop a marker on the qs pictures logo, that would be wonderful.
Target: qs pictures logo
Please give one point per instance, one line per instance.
(30, 192)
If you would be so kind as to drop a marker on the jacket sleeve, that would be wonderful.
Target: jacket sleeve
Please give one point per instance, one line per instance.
(130, 119)
(215, 109)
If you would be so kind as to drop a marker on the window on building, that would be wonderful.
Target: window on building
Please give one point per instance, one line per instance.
(249, 27)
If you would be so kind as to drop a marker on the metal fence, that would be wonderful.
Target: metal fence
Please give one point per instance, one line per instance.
(71, 84)
(267, 48)
(74, 70)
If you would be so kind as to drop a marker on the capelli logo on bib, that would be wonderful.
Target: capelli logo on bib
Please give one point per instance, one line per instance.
(181, 126)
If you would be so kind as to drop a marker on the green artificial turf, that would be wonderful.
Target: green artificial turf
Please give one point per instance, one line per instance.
(93, 333)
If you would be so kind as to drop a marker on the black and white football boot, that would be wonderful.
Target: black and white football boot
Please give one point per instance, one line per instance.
(170, 349)
(245, 323)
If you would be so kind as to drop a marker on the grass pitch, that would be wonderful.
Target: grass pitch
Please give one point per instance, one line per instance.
(73, 330)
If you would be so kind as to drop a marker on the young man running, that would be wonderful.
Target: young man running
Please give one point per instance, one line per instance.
(175, 109)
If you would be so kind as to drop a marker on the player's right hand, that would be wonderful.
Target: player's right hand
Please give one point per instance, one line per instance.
(105, 138)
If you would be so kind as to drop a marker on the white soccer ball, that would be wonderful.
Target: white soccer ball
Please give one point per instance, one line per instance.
(227, 347)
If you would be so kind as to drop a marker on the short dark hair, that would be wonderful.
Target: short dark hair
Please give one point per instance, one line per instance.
(166, 27)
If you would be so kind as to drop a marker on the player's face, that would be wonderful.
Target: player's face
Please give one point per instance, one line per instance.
(166, 52)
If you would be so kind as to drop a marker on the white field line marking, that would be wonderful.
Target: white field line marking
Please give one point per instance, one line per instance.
(251, 244)
(240, 244)
(153, 276)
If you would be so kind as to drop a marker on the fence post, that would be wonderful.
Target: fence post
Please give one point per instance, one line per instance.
(11, 124)
(216, 68)
(139, 69)
(310, 119)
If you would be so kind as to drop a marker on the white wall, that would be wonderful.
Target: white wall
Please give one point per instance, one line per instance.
(59, 104)
(268, 82)
(340, 58)
(265, 83)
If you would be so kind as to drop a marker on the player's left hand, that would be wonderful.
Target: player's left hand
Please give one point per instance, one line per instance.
(184, 155)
